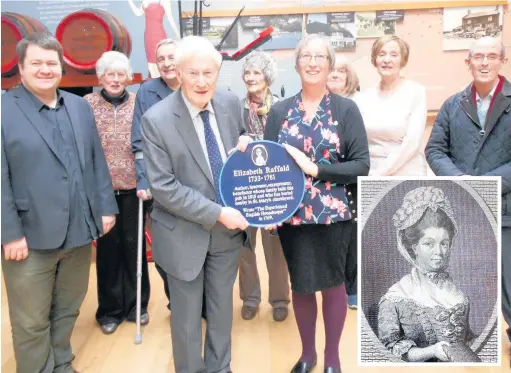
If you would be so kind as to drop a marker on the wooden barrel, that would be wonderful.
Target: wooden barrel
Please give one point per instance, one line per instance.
(86, 34)
(14, 28)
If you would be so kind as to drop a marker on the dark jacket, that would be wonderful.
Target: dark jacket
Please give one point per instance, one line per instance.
(35, 190)
(149, 93)
(354, 152)
(458, 146)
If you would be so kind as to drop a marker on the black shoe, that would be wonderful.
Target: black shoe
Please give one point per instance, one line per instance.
(109, 328)
(144, 319)
(303, 367)
(332, 370)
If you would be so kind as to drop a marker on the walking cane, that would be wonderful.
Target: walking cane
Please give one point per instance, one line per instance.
(138, 336)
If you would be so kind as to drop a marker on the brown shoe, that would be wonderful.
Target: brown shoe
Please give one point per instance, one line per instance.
(248, 313)
(280, 314)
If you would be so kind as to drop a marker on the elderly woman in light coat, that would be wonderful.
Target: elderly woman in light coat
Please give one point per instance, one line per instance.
(116, 258)
(259, 72)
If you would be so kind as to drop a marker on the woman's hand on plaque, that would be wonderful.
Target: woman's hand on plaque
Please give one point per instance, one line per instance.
(303, 161)
(243, 142)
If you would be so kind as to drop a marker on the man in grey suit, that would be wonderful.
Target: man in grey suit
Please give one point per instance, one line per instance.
(186, 138)
(57, 197)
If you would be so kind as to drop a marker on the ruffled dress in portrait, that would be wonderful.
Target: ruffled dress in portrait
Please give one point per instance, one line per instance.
(419, 313)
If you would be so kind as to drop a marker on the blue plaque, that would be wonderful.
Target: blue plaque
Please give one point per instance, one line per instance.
(264, 183)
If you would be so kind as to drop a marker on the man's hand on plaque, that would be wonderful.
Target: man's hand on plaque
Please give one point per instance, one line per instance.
(243, 142)
(303, 161)
(232, 219)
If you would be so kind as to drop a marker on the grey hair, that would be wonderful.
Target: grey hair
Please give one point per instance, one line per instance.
(311, 37)
(500, 42)
(193, 45)
(164, 42)
(113, 60)
(264, 62)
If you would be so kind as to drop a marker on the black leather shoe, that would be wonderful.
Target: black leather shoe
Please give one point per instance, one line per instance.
(332, 370)
(144, 319)
(109, 328)
(303, 367)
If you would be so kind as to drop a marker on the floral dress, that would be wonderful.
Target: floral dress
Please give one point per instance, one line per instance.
(315, 240)
(323, 202)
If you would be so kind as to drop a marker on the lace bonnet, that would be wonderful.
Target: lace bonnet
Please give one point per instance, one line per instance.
(415, 204)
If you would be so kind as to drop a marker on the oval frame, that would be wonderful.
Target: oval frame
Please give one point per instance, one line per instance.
(491, 327)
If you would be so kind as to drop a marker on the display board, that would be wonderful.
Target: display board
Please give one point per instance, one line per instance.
(436, 31)
(439, 34)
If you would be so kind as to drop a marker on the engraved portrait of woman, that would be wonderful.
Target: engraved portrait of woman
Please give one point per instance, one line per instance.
(424, 298)
(424, 316)
(259, 156)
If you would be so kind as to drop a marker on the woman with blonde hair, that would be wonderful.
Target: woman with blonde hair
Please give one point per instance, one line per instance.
(395, 113)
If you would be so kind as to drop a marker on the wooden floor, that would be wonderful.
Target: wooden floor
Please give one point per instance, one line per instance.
(259, 346)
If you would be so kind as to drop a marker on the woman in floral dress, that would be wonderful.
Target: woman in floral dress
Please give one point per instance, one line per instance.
(424, 316)
(326, 136)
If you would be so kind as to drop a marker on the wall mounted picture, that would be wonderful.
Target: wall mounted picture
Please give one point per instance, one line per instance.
(430, 271)
(462, 26)
(214, 29)
(370, 26)
(338, 27)
(287, 34)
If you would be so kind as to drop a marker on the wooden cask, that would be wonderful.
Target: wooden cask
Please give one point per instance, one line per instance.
(15, 27)
(86, 34)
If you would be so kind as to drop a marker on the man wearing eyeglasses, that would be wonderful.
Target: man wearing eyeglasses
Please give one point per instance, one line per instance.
(472, 136)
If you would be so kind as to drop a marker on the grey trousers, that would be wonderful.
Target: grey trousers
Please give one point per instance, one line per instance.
(506, 277)
(44, 293)
(250, 287)
(215, 282)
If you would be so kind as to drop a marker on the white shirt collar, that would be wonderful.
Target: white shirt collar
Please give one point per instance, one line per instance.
(194, 110)
(490, 95)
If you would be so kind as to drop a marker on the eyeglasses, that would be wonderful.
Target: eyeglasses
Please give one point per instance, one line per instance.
(489, 57)
(111, 75)
(307, 58)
